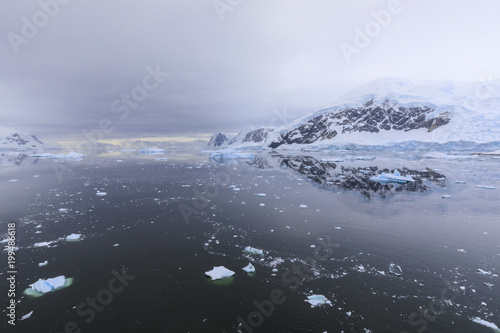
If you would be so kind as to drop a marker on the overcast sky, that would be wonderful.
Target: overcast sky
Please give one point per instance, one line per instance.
(230, 63)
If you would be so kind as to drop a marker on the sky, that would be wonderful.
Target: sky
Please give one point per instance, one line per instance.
(187, 68)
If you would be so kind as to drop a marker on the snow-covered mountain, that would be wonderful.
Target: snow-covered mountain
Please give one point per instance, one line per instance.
(393, 111)
(11, 138)
(217, 140)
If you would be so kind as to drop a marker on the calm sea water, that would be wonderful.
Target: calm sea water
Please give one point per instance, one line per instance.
(324, 227)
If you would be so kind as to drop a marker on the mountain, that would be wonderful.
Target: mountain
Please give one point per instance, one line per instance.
(11, 138)
(217, 140)
(393, 111)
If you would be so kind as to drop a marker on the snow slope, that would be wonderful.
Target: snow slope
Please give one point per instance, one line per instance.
(11, 138)
(395, 111)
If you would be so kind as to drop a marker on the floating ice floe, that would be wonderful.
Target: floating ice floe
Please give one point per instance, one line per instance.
(460, 182)
(13, 180)
(260, 194)
(486, 187)
(395, 269)
(73, 237)
(45, 263)
(101, 194)
(63, 210)
(317, 300)
(489, 285)
(151, 151)
(488, 324)
(446, 196)
(45, 286)
(249, 268)
(219, 272)
(481, 271)
(252, 250)
(26, 316)
(303, 206)
(394, 177)
(42, 244)
(441, 155)
(461, 250)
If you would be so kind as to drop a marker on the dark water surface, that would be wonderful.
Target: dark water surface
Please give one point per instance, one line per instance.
(174, 220)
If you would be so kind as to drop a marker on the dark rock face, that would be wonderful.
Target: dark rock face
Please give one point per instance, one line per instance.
(22, 140)
(370, 117)
(217, 140)
(258, 135)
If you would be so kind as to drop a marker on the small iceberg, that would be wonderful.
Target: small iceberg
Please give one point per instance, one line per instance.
(488, 324)
(394, 177)
(395, 269)
(252, 250)
(317, 300)
(486, 187)
(446, 196)
(45, 263)
(101, 194)
(26, 316)
(460, 182)
(41, 244)
(73, 237)
(63, 210)
(249, 268)
(219, 272)
(260, 194)
(152, 151)
(481, 271)
(303, 206)
(45, 286)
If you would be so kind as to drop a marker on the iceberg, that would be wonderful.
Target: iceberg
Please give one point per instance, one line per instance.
(317, 300)
(483, 322)
(151, 151)
(252, 250)
(303, 206)
(249, 268)
(395, 269)
(45, 286)
(219, 272)
(26, 316)
(45, 263)
(486, 187)
(41, 244)
(394, 177)
(73, 237)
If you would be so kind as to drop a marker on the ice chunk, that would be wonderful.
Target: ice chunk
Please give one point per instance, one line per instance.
(395, 269)
(40, 244)
(45, 286)
(303, 206)
(317, 300)
(219, 272)
(486, 187)
(333, 159)
(260, 194)
(63, 210)
(249, 268)
(13, 180)
(446, 196)
(45, 263)
(480, 271)
(395, 177)
(26, 316)
(486, 323)
(489, 285)
(101, 194)
(460, 182)
(252, 250)
(73, 237)
(151, 151)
